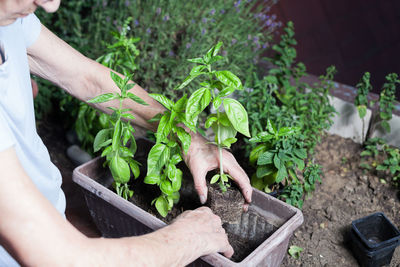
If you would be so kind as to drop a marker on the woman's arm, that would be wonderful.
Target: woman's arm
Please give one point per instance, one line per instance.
(35, 234)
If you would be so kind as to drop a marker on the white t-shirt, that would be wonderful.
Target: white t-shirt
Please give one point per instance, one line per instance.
(17, 119)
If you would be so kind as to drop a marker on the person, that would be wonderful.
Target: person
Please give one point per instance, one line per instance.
(33, 228)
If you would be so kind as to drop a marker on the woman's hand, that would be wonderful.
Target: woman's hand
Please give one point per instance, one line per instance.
(203, 157)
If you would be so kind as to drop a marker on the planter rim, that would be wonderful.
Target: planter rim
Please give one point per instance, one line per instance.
(216, 259)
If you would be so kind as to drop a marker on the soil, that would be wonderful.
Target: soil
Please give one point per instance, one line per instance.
(346, 194)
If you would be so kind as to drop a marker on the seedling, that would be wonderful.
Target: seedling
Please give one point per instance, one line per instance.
(113, 141)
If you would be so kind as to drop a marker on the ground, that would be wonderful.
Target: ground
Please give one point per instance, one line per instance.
(346, 194)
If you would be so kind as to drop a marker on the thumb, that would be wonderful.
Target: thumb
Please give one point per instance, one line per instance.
(200, 185)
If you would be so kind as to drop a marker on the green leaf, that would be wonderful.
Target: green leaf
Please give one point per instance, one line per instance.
(128, 116)
(229, 141)
(164, 127)
(185, 139)
(152, 179)
(229, 79)
(299, 162)
(166, 187)
(106, 151)
(237, 116)
(197, 60)
(134, 168)
(300, 153)
(217, 101)
(362, 111)
(117, 79)
(120, 170)
(156, 118)
(157, 158)
(137, 99)
(101, 138)
(117, 135)
(256, 152)
(287, 131)
(175, 159)
(104, 98)
(176, 181)
(295, 251)
(188, 80)
(180, 104)
(277, 161)
(386, 126)
(227, 91)
(265, 170)
(271, 127)
(282, 174)
(162, 206)
(214, 179)
(265, 158)
(210, 120)
(381, 168)
(163, 100)
(197, 102)
(216, 48)
(197, 70)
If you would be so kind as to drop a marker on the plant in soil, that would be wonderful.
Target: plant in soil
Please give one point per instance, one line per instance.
(228, 118)
(117, 142)
(290, 105)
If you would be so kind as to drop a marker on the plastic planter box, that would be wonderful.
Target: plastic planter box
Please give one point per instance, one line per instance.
(117, 217)
(374, 239)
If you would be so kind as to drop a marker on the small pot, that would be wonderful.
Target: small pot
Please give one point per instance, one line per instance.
(374, 239)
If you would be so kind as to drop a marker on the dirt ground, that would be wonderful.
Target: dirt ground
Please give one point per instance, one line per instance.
(346, 194)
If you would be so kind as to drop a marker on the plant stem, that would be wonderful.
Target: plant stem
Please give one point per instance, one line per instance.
(221, 170)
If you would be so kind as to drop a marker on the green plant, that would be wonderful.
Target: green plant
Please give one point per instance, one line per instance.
(295, 251)
(120, 56)
(117, 142)
(214, 90)
(278, 156)
(391, 163)
(361, 100)
(386, 100)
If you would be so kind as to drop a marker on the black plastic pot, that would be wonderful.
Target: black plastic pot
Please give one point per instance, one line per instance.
(374, 239)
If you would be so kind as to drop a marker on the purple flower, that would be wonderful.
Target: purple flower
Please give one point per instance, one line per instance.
(237, 3)
(255, 39)
(115, 22)
(234, 41)
(127, 3)
(104, 3)
(248, 37)
(212, 12)
(203, 31)
(268, 22)
(136, 22)
(224, 53)
(119, 28)
(158, 10)
(265, 45)
(166, 18)
(188, 45)
(222, 11)
(193, 21)
(108, 19)
(204, 20)
(237, 10)
(148, 30)
(171, 53)
(212, 20)
(273, 16)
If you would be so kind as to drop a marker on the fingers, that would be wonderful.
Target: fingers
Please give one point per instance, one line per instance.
(232, 167)
(200, 185)
(228, 251)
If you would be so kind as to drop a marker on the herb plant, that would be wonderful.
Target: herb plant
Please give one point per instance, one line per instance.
(361, 100)
(173, 139)
(386, 100)
(117, 142)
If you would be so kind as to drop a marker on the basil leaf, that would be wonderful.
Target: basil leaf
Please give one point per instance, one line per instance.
(104, 98)
(229, 79)
(117, 79)
(128, 116)
(117, 135)
(137, 99)
(211, 119)
(237, 116)
(227, 91)
(120, 170)
(152, 179)
(214, 179)
(197, 102)
(100, 139)
(185, 138)
(216, 102)
(180, 104)
(197, 60)
(163, 100)
(177, 180)
(166, 187)
(256, 152)
(157, 158)
(162, 206)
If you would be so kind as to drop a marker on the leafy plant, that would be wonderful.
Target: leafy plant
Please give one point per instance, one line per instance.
(386, 100)
(361, 100)
(214, 90)
(113, 141)
(295, 251)
(391, 163)
(120, 56)
(163, 157)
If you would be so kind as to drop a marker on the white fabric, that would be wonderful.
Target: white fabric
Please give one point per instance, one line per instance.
(17, 120)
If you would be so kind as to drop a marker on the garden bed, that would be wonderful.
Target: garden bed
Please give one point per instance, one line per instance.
(345, 194)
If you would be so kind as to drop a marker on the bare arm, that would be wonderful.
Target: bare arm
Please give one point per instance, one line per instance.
(35, 234)
(85, 79)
